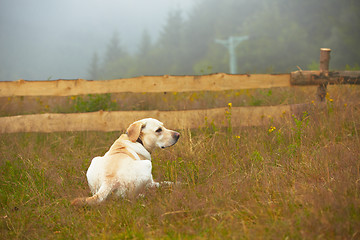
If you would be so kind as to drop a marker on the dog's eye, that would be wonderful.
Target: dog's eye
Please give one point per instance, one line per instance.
(159, 130)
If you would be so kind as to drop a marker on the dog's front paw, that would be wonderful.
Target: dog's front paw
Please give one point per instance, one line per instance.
(153, 184)
(168, 183)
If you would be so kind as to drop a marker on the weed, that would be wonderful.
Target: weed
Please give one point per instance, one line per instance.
(255, 101)
(256, 157)
(299, 129)
(228, 118)
(93, 103)
(209, 127)
(356, 67)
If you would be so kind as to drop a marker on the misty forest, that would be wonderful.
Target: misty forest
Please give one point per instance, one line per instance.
(281, 35)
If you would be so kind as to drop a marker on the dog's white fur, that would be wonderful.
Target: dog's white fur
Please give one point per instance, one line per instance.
(126, 168)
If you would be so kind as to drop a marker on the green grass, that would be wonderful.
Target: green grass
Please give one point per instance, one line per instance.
(152, 101)
(298, 179)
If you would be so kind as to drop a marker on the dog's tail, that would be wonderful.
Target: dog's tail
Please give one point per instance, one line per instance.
(85, 201)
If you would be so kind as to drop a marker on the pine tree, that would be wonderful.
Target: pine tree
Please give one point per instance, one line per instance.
(145, 44)
(170, 51)
(117, 62)
(114, 51)
(172, 34)
(94, 70)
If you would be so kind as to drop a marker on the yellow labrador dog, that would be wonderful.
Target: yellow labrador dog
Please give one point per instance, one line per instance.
(126, 168)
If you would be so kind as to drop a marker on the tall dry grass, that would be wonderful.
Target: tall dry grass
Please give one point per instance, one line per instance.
(296, 179)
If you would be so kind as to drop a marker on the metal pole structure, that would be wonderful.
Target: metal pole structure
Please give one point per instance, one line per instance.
(231, 43)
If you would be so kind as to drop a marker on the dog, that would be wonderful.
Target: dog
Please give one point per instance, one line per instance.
(126, 168)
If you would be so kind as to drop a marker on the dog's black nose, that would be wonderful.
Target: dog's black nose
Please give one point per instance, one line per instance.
(176, 135)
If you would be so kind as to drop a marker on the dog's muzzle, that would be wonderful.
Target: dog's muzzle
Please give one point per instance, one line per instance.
(175, 137)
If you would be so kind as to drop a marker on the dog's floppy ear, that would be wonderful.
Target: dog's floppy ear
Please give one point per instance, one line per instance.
(134, 130)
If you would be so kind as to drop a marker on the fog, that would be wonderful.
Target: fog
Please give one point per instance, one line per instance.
(51, 39)
(106, 39)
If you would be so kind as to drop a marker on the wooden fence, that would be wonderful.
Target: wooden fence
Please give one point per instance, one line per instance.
(119, 120)
(214, 82)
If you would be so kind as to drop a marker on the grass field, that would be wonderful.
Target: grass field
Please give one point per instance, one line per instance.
(298, 179)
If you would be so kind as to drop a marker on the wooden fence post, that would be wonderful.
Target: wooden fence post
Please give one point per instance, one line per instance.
(324, 71)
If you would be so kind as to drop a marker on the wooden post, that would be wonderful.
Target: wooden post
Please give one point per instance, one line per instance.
(324, 71)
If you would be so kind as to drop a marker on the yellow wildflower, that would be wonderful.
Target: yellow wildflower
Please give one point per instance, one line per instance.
(230, 105)
(327, 96)
(271, 129)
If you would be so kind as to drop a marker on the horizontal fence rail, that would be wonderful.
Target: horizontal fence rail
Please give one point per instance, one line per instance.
(167, 83)
(317, 77)
(120, 120)
(155, 84)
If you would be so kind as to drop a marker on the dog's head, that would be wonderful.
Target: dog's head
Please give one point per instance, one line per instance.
(152, 134)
